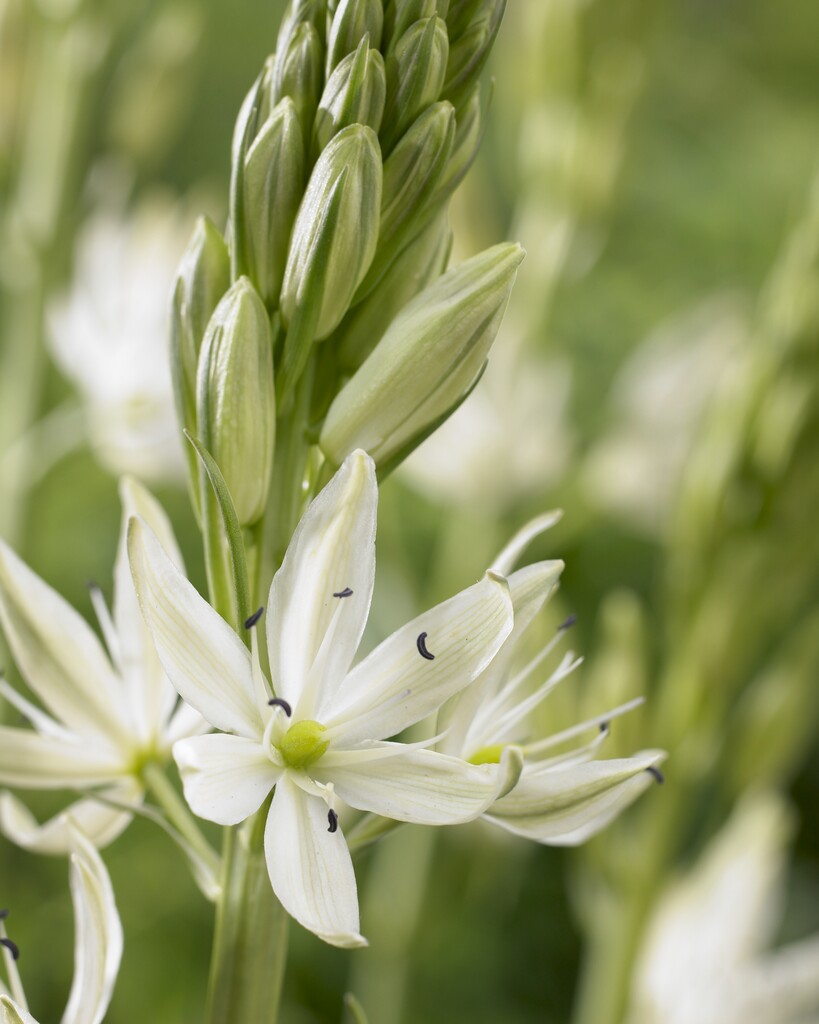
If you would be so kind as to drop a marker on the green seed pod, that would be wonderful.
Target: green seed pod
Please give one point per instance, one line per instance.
(355, 94)
(236, 408)
(470, 50)
(352, 20)
(412, 174)
(273, 187)
(302, 75)
(421, 263)
(416, 72)
(427, 362)
(332, 244)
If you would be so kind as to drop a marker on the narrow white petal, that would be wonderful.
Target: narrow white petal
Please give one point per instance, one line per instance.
(421, 786)
(150, 693)
(225, 778)
(332, 552)
(56, 650)
(12, 1013)
(203, 657)
(97, 936)
(185, 721)
(310, 868)
(99, 821)
(566, 806)
(43, 723)
(396, 685)
(31, 761)
(508, 557)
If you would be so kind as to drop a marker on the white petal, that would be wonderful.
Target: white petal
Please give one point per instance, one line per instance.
(332, 552)
(310, 868)
(150, 693)
(226, 778)
(566, 806)
(31, 761)
(185, 721)
(421, 786)
(396, 686)
(100, 822)
(59, 654)
(98, 936)
(11, 1013)
(203, 657)
(508, 557)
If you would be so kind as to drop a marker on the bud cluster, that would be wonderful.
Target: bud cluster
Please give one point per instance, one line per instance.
(333, 268)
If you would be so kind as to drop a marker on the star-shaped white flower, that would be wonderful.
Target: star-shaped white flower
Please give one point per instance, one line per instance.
(560, 799)
(323, 734)
(107, 712)
(97, 942)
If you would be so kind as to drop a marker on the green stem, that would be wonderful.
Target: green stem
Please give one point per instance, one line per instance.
(177, 813)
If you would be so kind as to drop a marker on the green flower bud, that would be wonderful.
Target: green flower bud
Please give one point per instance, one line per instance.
(426, 363)
(301, 75)
(352, 20)
(299, 12)
(333, 243)
(355, 94)
(416, 72)
(400, 14)
(412, 173)
(273, 187)
(470, 51)
(421, 263)
(201, 281)
(468, 135)
(236, 408)
(462, 13)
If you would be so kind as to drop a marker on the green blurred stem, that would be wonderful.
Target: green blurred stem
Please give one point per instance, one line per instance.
(177, 813)
(250, 940)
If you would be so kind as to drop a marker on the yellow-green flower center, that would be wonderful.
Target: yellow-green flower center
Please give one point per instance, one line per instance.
(488, 755)
(302, 744)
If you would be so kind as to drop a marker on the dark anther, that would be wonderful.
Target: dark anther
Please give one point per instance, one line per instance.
(92, 585)
(604, 727)
(3, 914)
(422, 647)
(11, 947)
(567, 624)
(254, 618)
(332, 817)
(656, 774)
(279, 702)
(346, 592)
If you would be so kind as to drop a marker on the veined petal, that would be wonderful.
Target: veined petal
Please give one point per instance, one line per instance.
(397, 685)
(421, 786)
(566, 806)
(225, 778)
(328, 569)
(506, 560)
(97, 936)
(310, 868)
(59, 654)
(203, 657)
(31, 761)
(150, 693)
(11, 1013)
(101, 823)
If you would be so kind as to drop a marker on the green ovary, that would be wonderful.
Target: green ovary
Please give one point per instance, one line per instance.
(302, 744)
(488, 755)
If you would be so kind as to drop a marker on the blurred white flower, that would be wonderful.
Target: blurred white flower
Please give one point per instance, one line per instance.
(109, 335)
(657, 403)
(704, 958)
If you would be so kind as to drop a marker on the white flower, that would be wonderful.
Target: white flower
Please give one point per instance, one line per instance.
(561, 799)
(98, 943)
(322, 735)
(109, 336)
(704, 958)
(107, 715)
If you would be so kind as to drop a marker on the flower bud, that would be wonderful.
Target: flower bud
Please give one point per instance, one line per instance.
(468, 135)
(355, 94)
(236, 408)
(400, 14)
(352, 20)
(426, 363)
(418, 265)
(301, 75)
(298, 12)
(470, 50)
(273, 187)
(412, 173)
(201, 281)
(416, 71)
(462, 13)
(332, 244)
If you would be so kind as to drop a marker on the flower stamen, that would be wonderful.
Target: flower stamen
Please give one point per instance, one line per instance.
(280, 702)
(346, 592)
(332, 818)
(422, 647)
(254, 618)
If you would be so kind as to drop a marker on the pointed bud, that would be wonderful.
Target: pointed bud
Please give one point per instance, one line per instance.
(355, 94)
(236, 409)
(273, 187)
(412, 174)
(426, 363)
(299, 12)
(421, 262)
(401, 14)
(301, 75)
(352, 20)
(462, 13)
(468, 135)
(470, 50)
(416, 72)
(332, 244)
